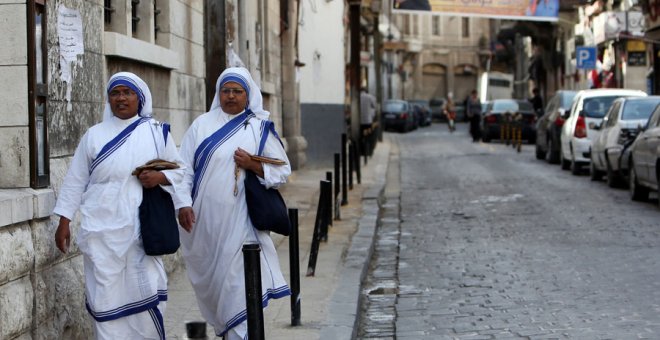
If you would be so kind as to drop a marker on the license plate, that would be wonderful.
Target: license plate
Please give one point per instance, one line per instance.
(390, 116)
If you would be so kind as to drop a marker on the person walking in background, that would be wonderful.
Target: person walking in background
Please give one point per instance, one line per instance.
(450, 112)
(216, 148)
(473, 110)
(367, 115)
(537, 102)
(125, 290)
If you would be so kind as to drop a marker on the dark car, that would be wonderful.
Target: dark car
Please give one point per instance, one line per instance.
(500, 111)
(548, 127)
(398, 114)
(422, 111)
(437, 105)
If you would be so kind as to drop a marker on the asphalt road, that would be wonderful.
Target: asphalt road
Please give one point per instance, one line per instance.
(477, 241)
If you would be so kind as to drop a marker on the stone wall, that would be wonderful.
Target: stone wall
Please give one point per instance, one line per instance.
(42, 290)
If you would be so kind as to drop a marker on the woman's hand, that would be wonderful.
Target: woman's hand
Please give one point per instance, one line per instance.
(243, 160)
(186, 218)
(152, 178)
(63, 235)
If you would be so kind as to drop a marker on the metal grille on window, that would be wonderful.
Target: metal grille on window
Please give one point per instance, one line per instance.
(156, 13)
(134, 17)
(107, 11)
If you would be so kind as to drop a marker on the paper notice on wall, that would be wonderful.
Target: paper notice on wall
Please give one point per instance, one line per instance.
(70, 35)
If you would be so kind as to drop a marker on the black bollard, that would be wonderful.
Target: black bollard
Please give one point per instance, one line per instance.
(323, 211)
(317, 236)
(255, 312)
(196, 330)
(344, 171)
(336, 195)
(351, 165)
(294, 268)
(328, 177)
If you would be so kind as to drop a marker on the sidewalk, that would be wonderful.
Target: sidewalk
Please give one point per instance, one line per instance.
(329, 300)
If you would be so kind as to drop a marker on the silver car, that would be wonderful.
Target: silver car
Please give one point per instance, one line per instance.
(617, 132)
(645, 159)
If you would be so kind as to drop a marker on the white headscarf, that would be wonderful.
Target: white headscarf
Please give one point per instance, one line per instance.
(136, 84)
(241, 76)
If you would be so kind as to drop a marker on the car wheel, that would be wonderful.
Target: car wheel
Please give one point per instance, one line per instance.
(594, 174)
(552, 156)
(565, 164)
(575, 168)
(637, 192)
(540, 154)
(612, 178)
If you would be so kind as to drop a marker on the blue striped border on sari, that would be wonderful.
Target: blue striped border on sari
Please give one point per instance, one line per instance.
(208, 146)
(129, 308)
(275, 293)
(115, 143)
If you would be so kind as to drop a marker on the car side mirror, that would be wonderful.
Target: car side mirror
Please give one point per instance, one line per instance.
(583, 113)
(563, 113)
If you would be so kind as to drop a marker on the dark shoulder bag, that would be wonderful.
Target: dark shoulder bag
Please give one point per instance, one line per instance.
(158, 224)
(266, 206)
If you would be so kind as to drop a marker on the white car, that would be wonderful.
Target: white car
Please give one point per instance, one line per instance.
(617, 131)
(588, 109)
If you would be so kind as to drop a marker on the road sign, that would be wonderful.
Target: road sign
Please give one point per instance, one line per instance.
(585, 57)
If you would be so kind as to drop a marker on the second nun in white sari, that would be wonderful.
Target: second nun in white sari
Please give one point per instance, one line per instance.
(125, 289)
(214, 146)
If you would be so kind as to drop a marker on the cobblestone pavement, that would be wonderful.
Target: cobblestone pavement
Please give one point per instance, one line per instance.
(493, 244)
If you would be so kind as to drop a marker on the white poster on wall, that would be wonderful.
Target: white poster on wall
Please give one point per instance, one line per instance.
(70, 36)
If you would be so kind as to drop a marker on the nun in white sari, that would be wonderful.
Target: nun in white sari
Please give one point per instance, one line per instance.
(125, 289)
(216, 152)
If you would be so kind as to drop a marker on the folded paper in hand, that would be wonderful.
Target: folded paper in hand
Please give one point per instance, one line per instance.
(267, 160)
(155, 164)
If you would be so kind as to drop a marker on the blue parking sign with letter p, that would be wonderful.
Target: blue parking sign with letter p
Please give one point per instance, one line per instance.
(585, 57)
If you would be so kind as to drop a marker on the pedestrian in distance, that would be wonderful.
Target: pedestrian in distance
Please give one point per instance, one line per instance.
(537, 102)
(125, 289)
(473, 110)
(450, 112)
(367, 115)
(217, 148)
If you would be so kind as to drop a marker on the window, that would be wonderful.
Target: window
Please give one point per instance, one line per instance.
(37, 94)
(435, 25)
(135, 19)
(406, 24)
(107, 11)
(466, 27)
(415, 24)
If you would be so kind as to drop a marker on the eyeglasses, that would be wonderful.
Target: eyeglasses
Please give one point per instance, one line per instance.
(230, 90)
(114, 94)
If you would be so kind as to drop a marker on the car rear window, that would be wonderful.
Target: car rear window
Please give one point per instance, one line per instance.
(567, 99)
(395, 107)
(511, 105)
(596, 107)
(639, 109)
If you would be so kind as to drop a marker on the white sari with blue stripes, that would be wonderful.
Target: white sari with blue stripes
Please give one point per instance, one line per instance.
(213, 250)
(126, 290)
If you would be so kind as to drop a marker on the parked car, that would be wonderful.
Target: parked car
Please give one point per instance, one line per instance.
(422, 111)
(645, 160)
(548, 127)
(587, 110)
(437, 105)
(398, 114)
(617, 132)
(500, 110)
